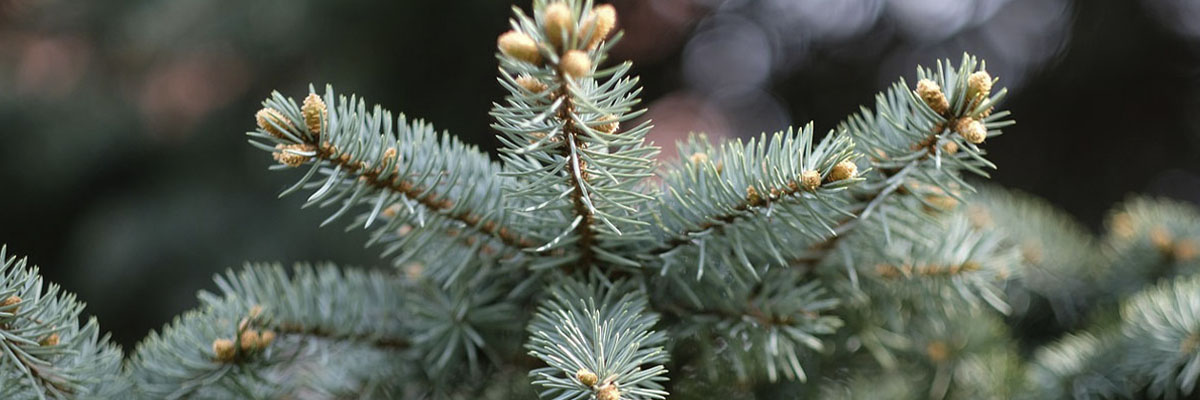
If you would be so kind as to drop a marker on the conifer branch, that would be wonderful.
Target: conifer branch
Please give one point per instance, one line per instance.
(597, 341)
(45, 353)
(918, 142)
(408, 176)
(263, 325)
(578, 173)
(753, 201)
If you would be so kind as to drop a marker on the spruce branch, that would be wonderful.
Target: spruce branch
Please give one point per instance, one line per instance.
(423, 185)
(1060, 261)
(597, 341)
(918, 142)
(46, 352)
(753, 203)
(578, 172)
(1077, 366)
(961, 261)
(1150, 239)
(770, 327)
(1161, 327)
(268, 333)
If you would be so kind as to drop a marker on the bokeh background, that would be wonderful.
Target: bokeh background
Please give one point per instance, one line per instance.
(125, 174)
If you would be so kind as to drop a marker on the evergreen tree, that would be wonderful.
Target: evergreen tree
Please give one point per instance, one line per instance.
(861, 263)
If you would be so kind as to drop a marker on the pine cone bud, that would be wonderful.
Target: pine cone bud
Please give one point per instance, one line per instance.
(265, 338)
(932, 95)
(272, 121)
(576, 64)
(979, 85)
(314, 111)
(842, 171)
(291, 159)
(533, 85)
(971, 130)
(950, 147)
(559, 23)
(519, 46)
(599, 24)
(608, 392)
(223, 350)
(752, 196)
(249, 340)
(810, 180)
(11, 300)
(698, 158)
(610, 124)
(587, 378)
(51, 340)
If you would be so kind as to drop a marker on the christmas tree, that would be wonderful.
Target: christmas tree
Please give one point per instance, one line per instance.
(869, 261)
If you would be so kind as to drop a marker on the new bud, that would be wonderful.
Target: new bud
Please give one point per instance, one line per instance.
(979, 85)
(519, 46)
(970, 129)
(608, 392)
(810, 179)
(932, 95)
(223, 350)
(609, 124)
(314, 111)
(265, 338)
(587, 378)
(249, 340)
(533, 85)
(51, 340)
(576, 64)
(842, 171)
(559, 23)
(272, 121)
(599, 24)
(286, 156)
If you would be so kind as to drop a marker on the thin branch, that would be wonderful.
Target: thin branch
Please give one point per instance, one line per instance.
(428, 199)
(741, 210)
(578, 172)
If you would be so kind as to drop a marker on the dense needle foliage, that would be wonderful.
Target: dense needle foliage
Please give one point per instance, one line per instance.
(859, 262)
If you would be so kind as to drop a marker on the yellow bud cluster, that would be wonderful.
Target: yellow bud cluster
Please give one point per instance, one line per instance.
(608, 124)
(558, 23)
(533, 85)
(519, 46)
(314, 112)
(971, 129)
(50, 340)
(842, 171)
(273, 122)
(286, 156)
(575, 64)
(810, 180)
(932, 95)
(599, 24)
(587, 378)
(608, 392)
(247, 340)
(223, 350)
